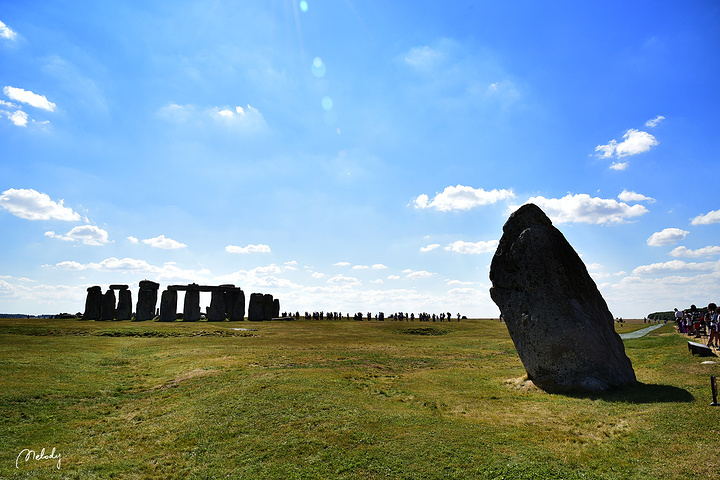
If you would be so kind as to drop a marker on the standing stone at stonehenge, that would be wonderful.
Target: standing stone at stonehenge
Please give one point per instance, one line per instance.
(147, 299)
(191, 310)
(168, 306)
(276, 308)
(234, 303)
(93, 303)
(260, 308)
(124, 306)
(216, 311)
(107, 309)
(557, 318)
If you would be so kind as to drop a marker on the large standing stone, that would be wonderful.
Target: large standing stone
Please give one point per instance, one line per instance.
(260, 308)
(93, 303)
(558, 320)
(191, 310)
(147, 300)
(124, 307)
(108, 311)
(216, 312)
(276, 308)
(168, 306)
(234, 303)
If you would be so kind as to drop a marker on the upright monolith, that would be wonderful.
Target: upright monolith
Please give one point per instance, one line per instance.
(147, 300)
(168, 306)
(216, 311)
(107, 310)
(93, 303)
(191, 310)
(124, 306)
(557, 318)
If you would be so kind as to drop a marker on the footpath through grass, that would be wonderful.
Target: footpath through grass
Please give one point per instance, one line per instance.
(335, 400)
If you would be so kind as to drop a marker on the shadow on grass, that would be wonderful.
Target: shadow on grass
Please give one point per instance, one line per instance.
(643, 393)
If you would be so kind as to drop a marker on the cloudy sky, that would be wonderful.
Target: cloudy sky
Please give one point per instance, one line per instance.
(355, 155)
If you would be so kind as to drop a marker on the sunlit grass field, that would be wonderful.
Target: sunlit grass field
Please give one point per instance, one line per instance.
(336, 399)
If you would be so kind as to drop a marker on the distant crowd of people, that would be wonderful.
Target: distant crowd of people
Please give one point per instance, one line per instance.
(697, 323)
(397, 317)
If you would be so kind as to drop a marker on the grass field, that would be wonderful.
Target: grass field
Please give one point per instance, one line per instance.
(336, 400)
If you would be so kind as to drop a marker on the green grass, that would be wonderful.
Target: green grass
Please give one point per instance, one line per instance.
(336, 400)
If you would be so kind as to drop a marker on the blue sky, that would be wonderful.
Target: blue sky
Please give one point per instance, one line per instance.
(355, 155)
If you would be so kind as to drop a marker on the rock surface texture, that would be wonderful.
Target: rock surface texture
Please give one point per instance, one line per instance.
(558, 320)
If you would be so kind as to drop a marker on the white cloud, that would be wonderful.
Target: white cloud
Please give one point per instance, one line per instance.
(260, 248)
(379, 280)
(247, 120)
(318, 275)
(582, 208)
(393, 277)
(379, 266)
(414, 275)
(627, 196)
(169, 271)
(620, 166)
(341, 264)
(472, 248)
(164, 243)
(635, 142)
(26, 96)
(700, 252)
(343, 280)
(666, 237)
(18, 118)
(676, 266)
(360, 267)
(430, 247)
(86, 234)
(653, 122)
(707, 219)
(133, 239)
(33, 205)
(461, 198)
(428, 58)
(6, 32)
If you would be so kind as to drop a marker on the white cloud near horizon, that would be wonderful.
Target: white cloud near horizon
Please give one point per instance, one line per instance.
(634, 142)
(676, 267)
(131, 265)
(653, 122)
(708, 251)
(32, 99)
(413, 274)
(628, 196)
(583, 208)
(32, 205)
(461, 198)
(164, 243)
(86, 234)
(472, 248)
(667, 236)
(7, 32)
(260, 248)
(707, 219)
(341, 264)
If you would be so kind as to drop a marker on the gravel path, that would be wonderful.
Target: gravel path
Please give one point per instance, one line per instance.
(641, 332)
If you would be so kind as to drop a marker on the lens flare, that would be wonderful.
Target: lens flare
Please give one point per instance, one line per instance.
(327, 103)
(318, 67)
(303, 6)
